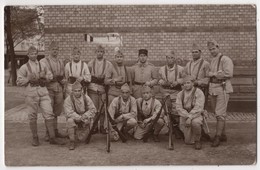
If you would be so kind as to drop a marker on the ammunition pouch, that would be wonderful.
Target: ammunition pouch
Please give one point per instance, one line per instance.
(97, 80)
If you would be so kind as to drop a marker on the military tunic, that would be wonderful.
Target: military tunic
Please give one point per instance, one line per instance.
(190, 105)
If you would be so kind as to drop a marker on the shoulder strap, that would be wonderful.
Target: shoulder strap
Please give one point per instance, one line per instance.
(166, 72)
(82, 65)
(40, 66)
(94, 66)
(29, 67)
(126, 75)
(192, 97)
(85, 102)
(49, 62)
(219, 61)
(118, 105)
(201, 62)
(190, 68)
(152, 104)
(73, 102)
(71, 68)
(104, 66)
(176, 71)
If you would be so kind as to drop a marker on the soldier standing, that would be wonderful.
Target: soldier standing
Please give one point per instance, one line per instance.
(190, 105)
(99, 66)
(117, 76)
(221, 71)
(80, 111)
(76, 70)
(170, 84)
(143, 73)
(34, 75)
(198, 68)
(55, 86)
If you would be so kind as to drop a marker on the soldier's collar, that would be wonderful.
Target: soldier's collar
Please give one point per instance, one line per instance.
(55, 59)
(196, 60)
(143, 65)
(34, 62)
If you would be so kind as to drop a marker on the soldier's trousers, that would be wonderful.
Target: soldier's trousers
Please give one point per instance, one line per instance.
(219, 105)
(34, 103)
(56, 101)
(81, 129)
(140, 131)
(192, 133)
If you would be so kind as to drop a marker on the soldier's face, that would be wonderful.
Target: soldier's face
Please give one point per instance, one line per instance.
(77, 92)
(147, 94)
(100, 53)
(125, 94)
(119, 58)
(76, 57)
(214, 50)
(142, 58)
(196, 54)
(188, 85)
(32, 55)
(170, 59)
(55, 51)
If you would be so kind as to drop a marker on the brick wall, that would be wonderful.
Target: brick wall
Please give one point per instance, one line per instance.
(160, 28)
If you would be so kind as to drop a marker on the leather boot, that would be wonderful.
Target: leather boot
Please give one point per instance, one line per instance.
(46, 137)
(35, 139)
(71, 132)
(197, 145)
(50, 126)
(57, 134)
(216, 141)
(219, 130)
(156, 138)
(102, 130)
(223, 137)
(204, 136)
(177, 132)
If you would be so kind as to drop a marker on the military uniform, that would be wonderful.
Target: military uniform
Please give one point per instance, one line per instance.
(148, 110)
(37, 96)
(221, 71)
(115, 87)
(191, 105)
(124, 113)
(76, 70)
(79, 113)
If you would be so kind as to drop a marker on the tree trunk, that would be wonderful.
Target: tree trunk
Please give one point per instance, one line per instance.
(10, 43)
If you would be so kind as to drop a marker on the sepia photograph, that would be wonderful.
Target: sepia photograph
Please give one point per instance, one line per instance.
(130, 85)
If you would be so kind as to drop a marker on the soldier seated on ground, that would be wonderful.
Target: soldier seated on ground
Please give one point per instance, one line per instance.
(80, 112)
(148, 108)
(123, 110)
(189, 105)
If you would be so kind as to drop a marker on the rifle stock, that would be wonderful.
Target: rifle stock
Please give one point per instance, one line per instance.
(108, 128)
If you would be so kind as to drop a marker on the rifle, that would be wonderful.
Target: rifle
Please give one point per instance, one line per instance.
(94, 124)
(108, 127)
(170, 146)
(147, 135)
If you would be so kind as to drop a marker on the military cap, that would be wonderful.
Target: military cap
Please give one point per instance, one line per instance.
(146, 88)
(119, 52)
(125, 87)
(143, 51)
(195, 47)
(100, 47)
(54, 44)
(76, 50)
(211, 43)
(32, 48)
(76, 85)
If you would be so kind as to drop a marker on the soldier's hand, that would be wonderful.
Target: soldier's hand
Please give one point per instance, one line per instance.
(31, 76)
(101, 76)
(211, 74)
(173, 84)
(78, 119)
(188, 122)
(146, 121)
(220, 74)
(42, 74)
(118, 79)
(79, 79)
(148, 83)
(161, 82)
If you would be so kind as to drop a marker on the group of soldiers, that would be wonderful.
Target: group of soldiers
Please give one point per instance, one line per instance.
(129, 94)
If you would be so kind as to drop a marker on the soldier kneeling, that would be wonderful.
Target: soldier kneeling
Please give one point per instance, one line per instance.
(80, 112)
(189, 105)
(148, 108)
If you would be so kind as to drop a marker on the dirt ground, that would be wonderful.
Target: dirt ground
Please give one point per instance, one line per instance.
(239, 150)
